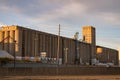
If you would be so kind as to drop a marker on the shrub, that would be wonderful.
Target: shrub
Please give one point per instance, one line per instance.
(5, 60)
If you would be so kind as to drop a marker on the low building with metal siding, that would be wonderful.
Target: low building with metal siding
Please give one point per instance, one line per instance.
(107, 55)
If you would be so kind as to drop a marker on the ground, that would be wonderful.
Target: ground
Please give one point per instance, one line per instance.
(108, 77)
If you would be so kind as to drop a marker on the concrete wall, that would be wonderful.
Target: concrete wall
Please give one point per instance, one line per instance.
(60, 71)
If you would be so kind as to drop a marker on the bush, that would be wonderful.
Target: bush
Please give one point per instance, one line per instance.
(5, 60)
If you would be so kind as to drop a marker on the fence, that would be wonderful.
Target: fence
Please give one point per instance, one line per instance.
(61, 70)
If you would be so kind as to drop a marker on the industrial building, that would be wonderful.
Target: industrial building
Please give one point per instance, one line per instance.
(26, 43)
(107, 55)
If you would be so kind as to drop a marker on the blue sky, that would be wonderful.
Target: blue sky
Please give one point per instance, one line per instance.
(45, 15)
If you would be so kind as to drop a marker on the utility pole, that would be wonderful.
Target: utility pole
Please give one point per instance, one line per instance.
(58, 50)
(14, 42)
(14, 55)
(57, 69)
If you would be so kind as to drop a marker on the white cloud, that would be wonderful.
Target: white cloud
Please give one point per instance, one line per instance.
(10, 9)
(73, 9)
(78, 10)
(110, 18)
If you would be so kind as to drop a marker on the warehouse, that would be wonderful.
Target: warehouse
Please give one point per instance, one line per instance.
(26, 43)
